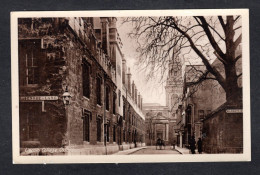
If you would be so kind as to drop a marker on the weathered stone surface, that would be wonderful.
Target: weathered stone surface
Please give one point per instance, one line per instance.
(223, 132)
(62, 46)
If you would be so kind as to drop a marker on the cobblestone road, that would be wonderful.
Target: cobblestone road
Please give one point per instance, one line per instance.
(152, 150)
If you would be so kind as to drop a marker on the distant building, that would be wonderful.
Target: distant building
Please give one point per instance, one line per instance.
(82, 57)
(158, 124)
(161, 120)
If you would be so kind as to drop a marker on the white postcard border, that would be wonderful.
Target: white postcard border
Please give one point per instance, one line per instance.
(245, 156)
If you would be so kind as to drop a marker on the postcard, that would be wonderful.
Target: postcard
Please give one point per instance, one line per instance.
(130, 86)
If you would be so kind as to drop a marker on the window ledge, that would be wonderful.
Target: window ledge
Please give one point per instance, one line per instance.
(98, 106)
(85, 98)
(100, 143)
(30, 86)
(86, 143)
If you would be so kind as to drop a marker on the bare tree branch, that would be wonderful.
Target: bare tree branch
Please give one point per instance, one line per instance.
(238, 57)
(204, 59)
(211, 38)
(222, 22)
(238, 41)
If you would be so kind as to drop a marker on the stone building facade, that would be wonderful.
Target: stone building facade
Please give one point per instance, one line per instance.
(158, 124)
(203, 113)
(81, 56)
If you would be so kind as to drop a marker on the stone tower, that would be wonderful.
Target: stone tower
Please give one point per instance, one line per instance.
(174, 85)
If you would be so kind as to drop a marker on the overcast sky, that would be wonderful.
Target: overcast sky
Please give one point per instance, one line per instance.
(152, 91)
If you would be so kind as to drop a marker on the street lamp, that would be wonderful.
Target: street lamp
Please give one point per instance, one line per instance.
(66, 96)
(66, 100)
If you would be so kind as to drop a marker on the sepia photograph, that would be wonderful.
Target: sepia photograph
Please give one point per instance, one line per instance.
(130, 86)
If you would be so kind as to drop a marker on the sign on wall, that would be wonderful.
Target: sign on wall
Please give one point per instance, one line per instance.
(38, 98)
(234, 111)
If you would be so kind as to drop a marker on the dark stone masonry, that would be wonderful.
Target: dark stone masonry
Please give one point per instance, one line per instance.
(82, 56)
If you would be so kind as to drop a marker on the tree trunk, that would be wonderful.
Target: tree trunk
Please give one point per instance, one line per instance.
(233, 91)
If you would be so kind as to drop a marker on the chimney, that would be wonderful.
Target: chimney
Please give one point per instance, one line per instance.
(112, 39)
(139, 102)
(112, 22)
(124, 71)
(105, 34)
(135, 95)
(133, 90)
(129, 81)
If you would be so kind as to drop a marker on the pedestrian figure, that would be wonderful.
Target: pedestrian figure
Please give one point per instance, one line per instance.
(162, 143)
(199, 144)
(192, 145)
(158, 143)
(173, 144)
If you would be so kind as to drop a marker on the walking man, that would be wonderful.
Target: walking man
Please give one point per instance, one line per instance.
(192, 145)
(199, 144)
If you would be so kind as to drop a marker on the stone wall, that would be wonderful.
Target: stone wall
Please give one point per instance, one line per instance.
(61, 55)
(48, 45)
(223, 132)
(63, 46)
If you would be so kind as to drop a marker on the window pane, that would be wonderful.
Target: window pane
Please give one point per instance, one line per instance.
(86, 80)
(34, 62)
(108, 132)
(114, 133)
(29, 60)
(107, 97)
(86, 127)
(99, 129)
(36, 75)
(30, 76)
(98, 90)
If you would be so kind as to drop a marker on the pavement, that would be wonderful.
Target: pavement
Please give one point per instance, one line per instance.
(182, 150)
(153, 150)
(147, 150)
(185, 150)
(129, 151)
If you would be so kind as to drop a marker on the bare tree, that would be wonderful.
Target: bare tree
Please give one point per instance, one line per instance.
(208, 38)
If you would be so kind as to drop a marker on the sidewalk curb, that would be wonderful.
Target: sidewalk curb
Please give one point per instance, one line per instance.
(178, 151)
(136, 150)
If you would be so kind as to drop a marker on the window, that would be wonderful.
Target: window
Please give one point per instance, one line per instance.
(107, 97)
(33, 124)
(99, 121)
(201, 114)
(86, 125)
(128, 138)
(114, 133)
(98, 88)
(32, 69)
(86, 79)
(107, 132)
(124, 111)
(114, 103)
(119, 97)
(29, 58)
(123, 135)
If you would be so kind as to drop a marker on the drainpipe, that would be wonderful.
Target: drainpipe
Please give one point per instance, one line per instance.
(104, 118)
